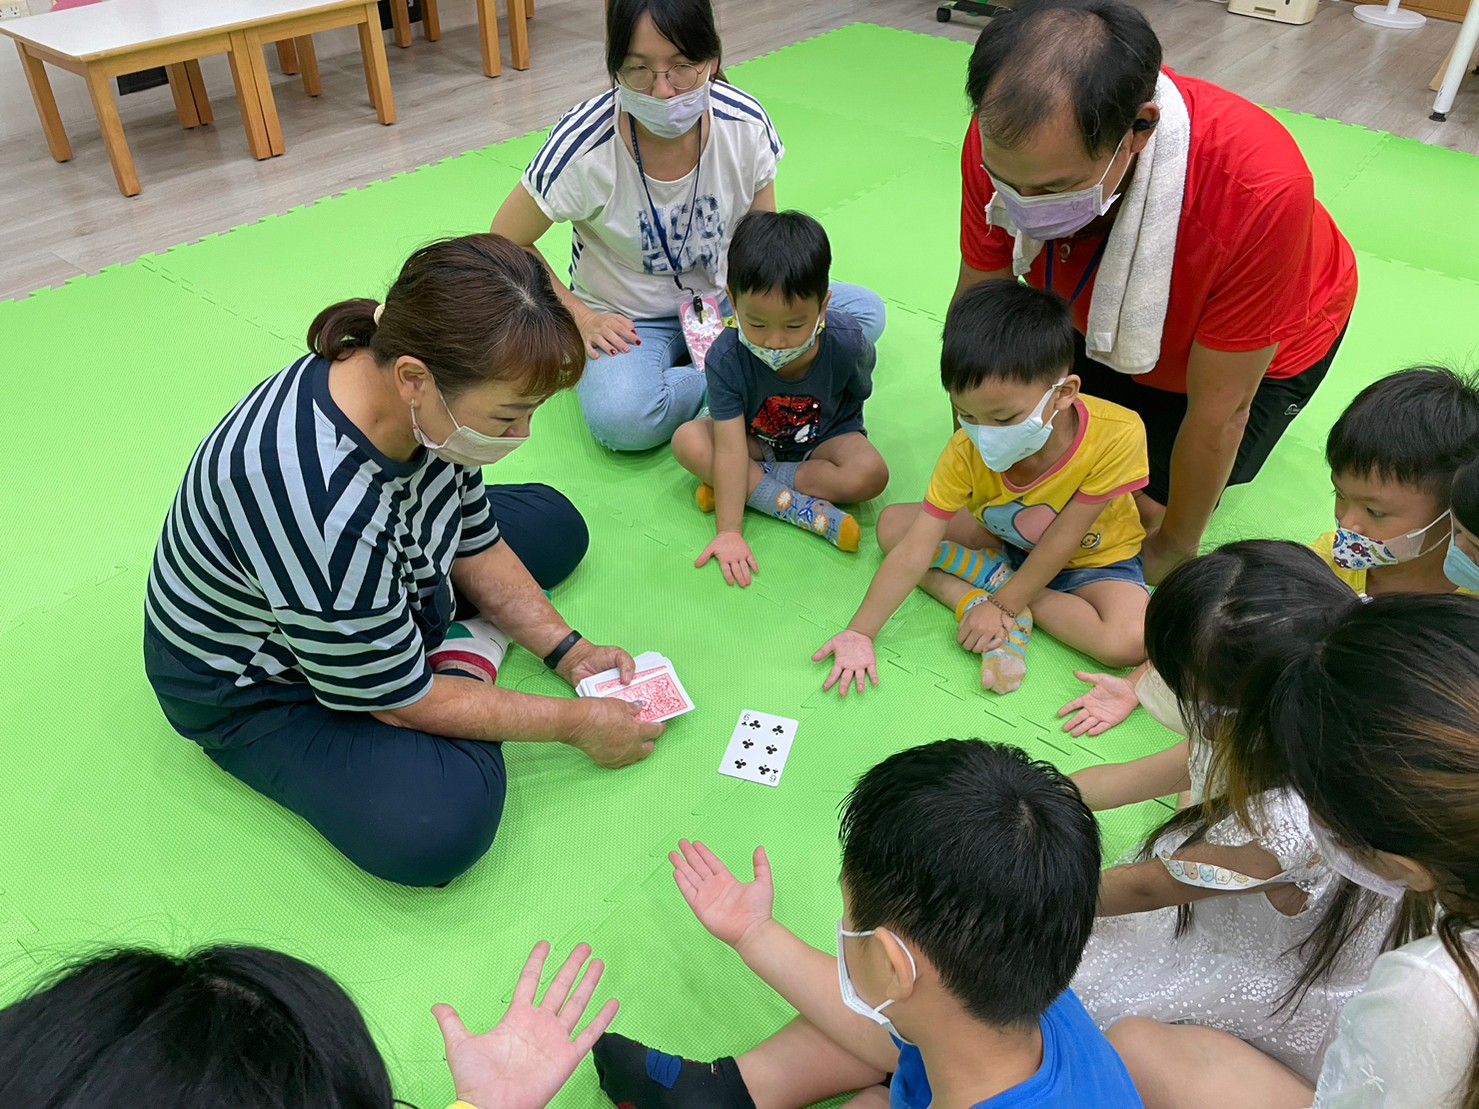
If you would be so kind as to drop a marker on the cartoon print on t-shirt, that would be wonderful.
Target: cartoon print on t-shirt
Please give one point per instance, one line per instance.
(1023, 526)
(701, 248)
(788, 423)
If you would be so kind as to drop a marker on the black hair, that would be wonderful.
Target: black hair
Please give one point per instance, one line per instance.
(474, 309)
(687, 24)
(1372, 722)
(1005, 330)
(1465, 502)
(1210, 624)
(1099, 58)
(1416, 426)
(242, 1027)
(984, 858)
(784, 252)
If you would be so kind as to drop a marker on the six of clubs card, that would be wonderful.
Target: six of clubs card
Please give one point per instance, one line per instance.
(759, 747)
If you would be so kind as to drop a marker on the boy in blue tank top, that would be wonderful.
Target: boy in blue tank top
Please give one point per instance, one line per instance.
(969, 878)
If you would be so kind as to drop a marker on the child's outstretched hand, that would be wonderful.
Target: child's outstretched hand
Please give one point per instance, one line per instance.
(984, 628)
(852, 659)
(526, 1057)
(1108, 702)
(734, 556)
(728, 908)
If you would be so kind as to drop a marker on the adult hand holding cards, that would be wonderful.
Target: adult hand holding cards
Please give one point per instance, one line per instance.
(655, 686)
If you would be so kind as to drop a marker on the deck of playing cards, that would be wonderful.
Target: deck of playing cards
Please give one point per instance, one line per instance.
(655, 686)
(759, 747)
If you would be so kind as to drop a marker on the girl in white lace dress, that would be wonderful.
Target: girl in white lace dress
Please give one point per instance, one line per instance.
(1220, 923)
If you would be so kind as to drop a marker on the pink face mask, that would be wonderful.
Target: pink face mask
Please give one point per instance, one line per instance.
(466, 447)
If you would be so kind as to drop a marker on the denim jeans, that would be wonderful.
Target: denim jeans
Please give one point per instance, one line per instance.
(635, 401)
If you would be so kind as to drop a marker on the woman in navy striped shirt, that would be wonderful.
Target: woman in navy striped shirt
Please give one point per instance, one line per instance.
(328, 533)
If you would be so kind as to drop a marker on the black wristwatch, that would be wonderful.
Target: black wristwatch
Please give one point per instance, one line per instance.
(557, 656)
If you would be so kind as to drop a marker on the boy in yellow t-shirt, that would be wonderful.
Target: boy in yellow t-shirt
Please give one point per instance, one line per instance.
(1393, 455)
(1031, 503)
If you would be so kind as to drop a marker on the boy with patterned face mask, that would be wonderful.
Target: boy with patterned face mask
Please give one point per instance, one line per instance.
(787, 381)
(969, 876)
(1031, 503)
(1393, 455)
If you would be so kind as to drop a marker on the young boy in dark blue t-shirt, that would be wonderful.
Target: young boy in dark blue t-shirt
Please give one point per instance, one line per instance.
(786, 385)
(969, 880)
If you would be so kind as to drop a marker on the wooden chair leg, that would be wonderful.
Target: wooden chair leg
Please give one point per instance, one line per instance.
(431, 20)
(287, 57)
(312, 84)
(198, 93)
(377, 71)
(179, 87)
(400, 22)
(51, 119)
(247, 98)
(488, 37)
(100, 86)
(518, 33)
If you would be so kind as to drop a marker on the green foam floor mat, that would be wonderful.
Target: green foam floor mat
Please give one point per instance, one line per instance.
(118, 831)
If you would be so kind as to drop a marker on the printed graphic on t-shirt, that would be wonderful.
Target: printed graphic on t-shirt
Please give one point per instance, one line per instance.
(1023, 526)
(788, 423)
(695, 247)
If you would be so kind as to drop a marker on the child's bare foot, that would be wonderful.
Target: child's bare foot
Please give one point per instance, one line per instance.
(1004, 668)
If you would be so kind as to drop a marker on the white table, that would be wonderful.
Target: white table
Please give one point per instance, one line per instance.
(101, 41)
(1458, 62)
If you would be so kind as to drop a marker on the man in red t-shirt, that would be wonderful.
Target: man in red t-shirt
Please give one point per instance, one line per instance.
(1262, 282)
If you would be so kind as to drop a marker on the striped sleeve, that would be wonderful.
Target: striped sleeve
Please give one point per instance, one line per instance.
(730, 103)
(359, 661)
(479, 528)
(554, 177)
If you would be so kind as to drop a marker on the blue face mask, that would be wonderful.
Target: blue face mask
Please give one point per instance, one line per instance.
(1460, 569)
(777, 360)
(1003, 447)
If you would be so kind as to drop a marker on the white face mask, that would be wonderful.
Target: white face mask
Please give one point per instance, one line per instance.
(667, 119)
(1003, 447)
(466, 447)
(778, 360)
(1338, 859)
(1057, 215)
(1354, 551)
(850, 996)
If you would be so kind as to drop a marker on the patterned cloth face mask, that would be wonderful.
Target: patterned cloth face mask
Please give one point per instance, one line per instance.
(1354, 551)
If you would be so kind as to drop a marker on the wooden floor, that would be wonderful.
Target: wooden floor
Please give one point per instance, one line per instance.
(58, 221)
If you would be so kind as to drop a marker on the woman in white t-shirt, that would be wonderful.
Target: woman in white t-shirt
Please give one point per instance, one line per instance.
(653, 174)
(1375, 723)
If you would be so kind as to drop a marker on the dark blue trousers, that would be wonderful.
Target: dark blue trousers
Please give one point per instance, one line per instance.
(406, 806)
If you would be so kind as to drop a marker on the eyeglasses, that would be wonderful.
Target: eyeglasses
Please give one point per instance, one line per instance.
(682, 77)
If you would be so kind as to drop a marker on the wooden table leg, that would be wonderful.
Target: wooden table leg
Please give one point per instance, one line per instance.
(179, 87)
(377, 72)
(528, 9)
(400, 22)
(488, 36)
(106, 106)
(287, 57)
(198, 93)
(431, 20)
(260, 74)
(51, 119)
(247, 98)
(518, 33)
(312, 84)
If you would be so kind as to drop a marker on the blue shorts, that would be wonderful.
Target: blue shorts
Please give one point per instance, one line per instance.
(1068, 581)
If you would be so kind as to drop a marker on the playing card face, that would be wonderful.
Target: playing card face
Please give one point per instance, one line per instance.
(759, 748)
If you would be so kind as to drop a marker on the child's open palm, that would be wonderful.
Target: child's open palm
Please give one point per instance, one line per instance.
(724, 905)
(1108, 702)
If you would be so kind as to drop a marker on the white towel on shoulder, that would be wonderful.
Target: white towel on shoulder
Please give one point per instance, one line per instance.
(1128, 311)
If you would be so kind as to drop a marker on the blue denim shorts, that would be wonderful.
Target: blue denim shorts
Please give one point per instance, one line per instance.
(1067, 581)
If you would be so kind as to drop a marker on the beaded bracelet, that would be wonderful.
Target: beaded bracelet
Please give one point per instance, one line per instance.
(992, 598)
